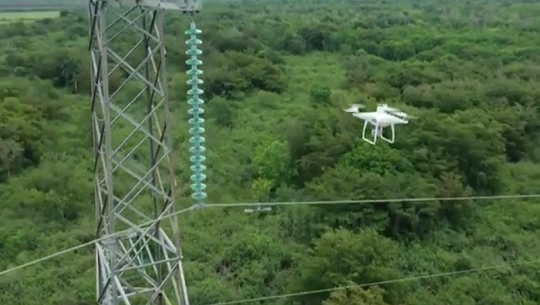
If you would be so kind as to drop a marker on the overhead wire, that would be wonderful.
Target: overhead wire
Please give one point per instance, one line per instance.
(364, 201)
(87, 244)
(285, 203)
(378, 283)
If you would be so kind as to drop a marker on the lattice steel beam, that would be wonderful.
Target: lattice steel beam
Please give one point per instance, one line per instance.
(134, 180)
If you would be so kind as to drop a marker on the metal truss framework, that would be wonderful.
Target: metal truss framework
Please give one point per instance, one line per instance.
(136, 261)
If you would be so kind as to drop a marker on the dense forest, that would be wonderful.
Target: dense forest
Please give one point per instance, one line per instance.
(277, 75)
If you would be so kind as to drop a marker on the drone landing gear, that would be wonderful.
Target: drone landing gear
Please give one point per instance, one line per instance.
(377, 131)
(392, 138)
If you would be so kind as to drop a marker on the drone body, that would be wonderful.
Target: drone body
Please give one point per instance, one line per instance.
(384, 116)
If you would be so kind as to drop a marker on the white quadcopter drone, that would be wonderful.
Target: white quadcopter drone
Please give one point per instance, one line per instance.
(384, 116)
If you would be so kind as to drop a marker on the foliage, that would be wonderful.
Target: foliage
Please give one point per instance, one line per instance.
(276, 76)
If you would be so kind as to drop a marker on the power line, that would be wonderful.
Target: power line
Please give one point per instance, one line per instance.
(379, 283)
(364, 201)
(66, 251)
(285, 203)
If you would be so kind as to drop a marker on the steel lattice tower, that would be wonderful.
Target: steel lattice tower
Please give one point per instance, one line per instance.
(136, 261)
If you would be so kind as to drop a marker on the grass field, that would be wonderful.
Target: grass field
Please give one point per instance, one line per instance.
(7, 17)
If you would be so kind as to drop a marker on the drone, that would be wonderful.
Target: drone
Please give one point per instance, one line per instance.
(384, 116)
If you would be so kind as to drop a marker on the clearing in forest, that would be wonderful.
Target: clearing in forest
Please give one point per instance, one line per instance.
(7, 17)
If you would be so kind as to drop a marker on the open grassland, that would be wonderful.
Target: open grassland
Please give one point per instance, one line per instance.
(7, 17)
(42, 5)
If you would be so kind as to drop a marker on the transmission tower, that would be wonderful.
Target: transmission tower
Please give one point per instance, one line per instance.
(136, 260)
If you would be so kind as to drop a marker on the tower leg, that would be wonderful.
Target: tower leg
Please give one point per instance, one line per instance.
(137, 263)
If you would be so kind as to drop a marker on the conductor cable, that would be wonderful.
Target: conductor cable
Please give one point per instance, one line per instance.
(364, 201)
(87, 244)
(379, 283)
(224, 205)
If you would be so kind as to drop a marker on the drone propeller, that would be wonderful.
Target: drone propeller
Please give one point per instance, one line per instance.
(354, 108)
(404, 115)
(394, 111)
(385, 107)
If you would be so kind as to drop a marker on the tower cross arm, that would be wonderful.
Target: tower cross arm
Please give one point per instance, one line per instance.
(173, 5)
